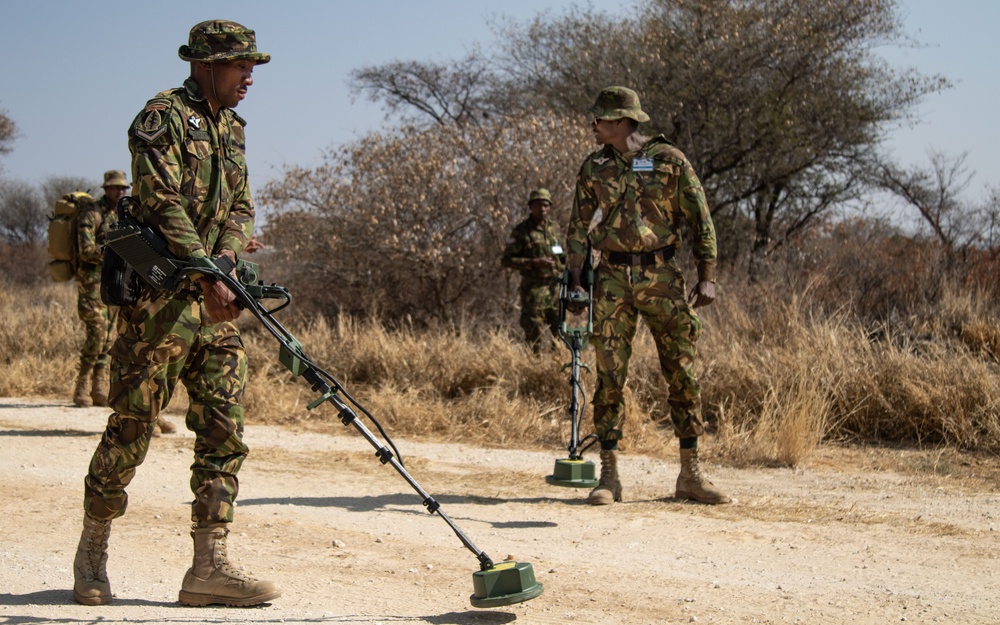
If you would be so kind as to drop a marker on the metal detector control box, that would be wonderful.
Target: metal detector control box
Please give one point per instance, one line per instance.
(146, 253)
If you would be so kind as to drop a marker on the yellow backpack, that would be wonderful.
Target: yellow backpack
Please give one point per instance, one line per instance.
(63, 261)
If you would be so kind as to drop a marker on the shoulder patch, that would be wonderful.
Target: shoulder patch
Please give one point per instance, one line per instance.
(151, 123)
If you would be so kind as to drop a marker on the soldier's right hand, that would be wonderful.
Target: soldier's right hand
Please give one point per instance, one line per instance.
(220, 303)
(542, 262)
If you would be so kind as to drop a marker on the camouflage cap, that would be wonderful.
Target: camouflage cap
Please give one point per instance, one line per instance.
(616, 103)
(115, 178)
(540, 194)
(216, 41)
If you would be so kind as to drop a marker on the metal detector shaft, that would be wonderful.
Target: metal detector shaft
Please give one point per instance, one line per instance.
(573, 335)
(295, 360)
(349, 417)
(574, 400)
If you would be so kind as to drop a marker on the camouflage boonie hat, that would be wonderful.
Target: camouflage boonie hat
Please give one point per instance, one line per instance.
(616, 103)
(115, 178)
(217, 41)
(540, 194)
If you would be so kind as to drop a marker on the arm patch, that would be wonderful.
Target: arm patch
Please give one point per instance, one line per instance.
(151, 123)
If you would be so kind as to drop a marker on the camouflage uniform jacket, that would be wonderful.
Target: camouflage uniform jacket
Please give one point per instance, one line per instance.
(93, 224)
(530, 240)
(633, 203)
(190, 173)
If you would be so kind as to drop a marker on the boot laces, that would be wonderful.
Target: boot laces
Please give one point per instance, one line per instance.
(223, 565)
(97, 545)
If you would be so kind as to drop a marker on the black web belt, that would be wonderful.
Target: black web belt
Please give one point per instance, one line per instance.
(643, 259)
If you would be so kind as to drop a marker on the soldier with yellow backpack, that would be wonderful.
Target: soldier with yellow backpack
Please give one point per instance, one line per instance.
(76, 243)
(92, 222)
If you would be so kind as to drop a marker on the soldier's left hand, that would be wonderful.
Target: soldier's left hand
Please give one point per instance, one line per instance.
(702, 294)
(253, 245)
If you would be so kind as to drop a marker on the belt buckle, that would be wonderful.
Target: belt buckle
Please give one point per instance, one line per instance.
(635, 259)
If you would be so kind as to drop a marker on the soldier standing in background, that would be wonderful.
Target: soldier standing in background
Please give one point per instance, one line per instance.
(535, 250)
(92, 229)
(631, 196)
(190, 182)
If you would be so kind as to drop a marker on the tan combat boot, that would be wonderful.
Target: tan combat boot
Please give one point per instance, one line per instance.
(165, 426)
(211, 579)
(609, 489)
(81, 394)
(90, 575)
(99, 387)
(691, 484)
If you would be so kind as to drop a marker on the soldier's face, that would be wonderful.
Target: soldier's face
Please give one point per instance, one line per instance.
(539, 210)
(232, 79)
(114, 194)
(606, 130)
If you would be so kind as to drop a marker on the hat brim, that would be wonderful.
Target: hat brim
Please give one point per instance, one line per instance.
(188, 54)
(610, 114)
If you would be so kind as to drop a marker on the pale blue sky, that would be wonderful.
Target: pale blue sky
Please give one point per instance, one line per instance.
(74, 73)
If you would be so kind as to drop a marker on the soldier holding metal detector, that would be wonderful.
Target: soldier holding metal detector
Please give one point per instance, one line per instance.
(631, 195)
(190, 185)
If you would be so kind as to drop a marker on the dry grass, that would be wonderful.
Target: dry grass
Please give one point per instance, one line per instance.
(776, 379)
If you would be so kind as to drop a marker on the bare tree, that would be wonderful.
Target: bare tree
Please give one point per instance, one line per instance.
(23, 214)
(935, 192)
(414, 222)
(445, 93)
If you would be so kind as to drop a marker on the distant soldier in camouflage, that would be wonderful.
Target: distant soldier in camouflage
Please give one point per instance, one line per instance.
(535, 250)
(631, 196)
(93, 222)
(190, 179)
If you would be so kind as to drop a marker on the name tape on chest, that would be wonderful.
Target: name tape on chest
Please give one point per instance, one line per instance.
(642, 164)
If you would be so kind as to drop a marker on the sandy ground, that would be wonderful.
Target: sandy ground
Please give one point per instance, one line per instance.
(348, 541)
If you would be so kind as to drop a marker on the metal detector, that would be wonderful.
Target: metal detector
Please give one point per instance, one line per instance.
(494, 584)
(576, 324)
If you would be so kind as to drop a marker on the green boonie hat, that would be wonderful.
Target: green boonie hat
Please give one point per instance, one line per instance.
(616, 103)
(115, 178)
(540, 194)
(216, 41)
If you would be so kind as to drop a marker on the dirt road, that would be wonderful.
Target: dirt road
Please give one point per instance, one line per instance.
(348, 541)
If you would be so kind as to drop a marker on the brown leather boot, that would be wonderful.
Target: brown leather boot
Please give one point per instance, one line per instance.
(81, 394)
(99, 387)
(90, 575)
(609, 489)
(691, 484)
(211, 579)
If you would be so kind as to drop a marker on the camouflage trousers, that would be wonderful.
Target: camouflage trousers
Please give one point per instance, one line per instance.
(621, 294)
(539, 309)
(98, 319)
(162, 340)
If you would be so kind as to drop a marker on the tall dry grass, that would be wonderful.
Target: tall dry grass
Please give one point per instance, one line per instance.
(777, 377)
